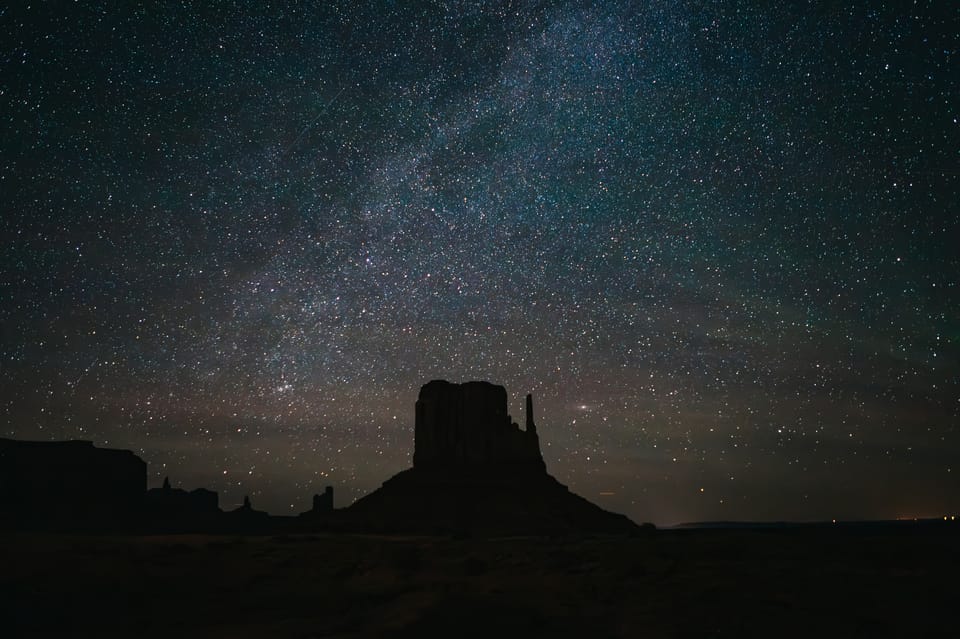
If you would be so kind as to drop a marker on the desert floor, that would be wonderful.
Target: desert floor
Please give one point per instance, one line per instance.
(711, 583)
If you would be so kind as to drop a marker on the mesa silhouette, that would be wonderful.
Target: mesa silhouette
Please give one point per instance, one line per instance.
(69, 485)
(474, 472)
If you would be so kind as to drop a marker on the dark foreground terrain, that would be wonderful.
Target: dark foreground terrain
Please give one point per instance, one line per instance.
(713, 583)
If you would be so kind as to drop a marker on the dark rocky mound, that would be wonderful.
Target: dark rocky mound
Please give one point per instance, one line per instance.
(475, 471)
(68, 485)
(415, 501)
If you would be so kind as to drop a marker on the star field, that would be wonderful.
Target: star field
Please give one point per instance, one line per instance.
(716, 241)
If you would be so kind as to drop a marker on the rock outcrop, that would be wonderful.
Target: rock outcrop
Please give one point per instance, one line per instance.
(323, 503)
(68, 484)
(476, 472)
(322, 509)
(467, 425)
(174, 507)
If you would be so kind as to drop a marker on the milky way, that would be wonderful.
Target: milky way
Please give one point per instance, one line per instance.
(716, 242)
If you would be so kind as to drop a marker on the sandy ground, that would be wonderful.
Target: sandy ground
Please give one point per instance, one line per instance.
(706, 583)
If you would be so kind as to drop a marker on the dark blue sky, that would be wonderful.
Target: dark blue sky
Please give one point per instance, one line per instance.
(717, 242)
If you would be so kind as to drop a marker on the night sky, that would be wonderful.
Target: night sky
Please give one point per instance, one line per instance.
(717, 242)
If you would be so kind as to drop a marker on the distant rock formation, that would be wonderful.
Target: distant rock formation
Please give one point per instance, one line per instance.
(68, 484)
(322, 510)
(171, 506)
(475, 471)
(323, 503)
(246, 519)
(460, 425)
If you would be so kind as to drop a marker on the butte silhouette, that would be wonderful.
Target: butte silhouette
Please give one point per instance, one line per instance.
(475, 471)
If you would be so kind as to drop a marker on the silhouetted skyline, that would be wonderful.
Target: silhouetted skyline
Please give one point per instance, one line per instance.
(475, 472)
(715, 242)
